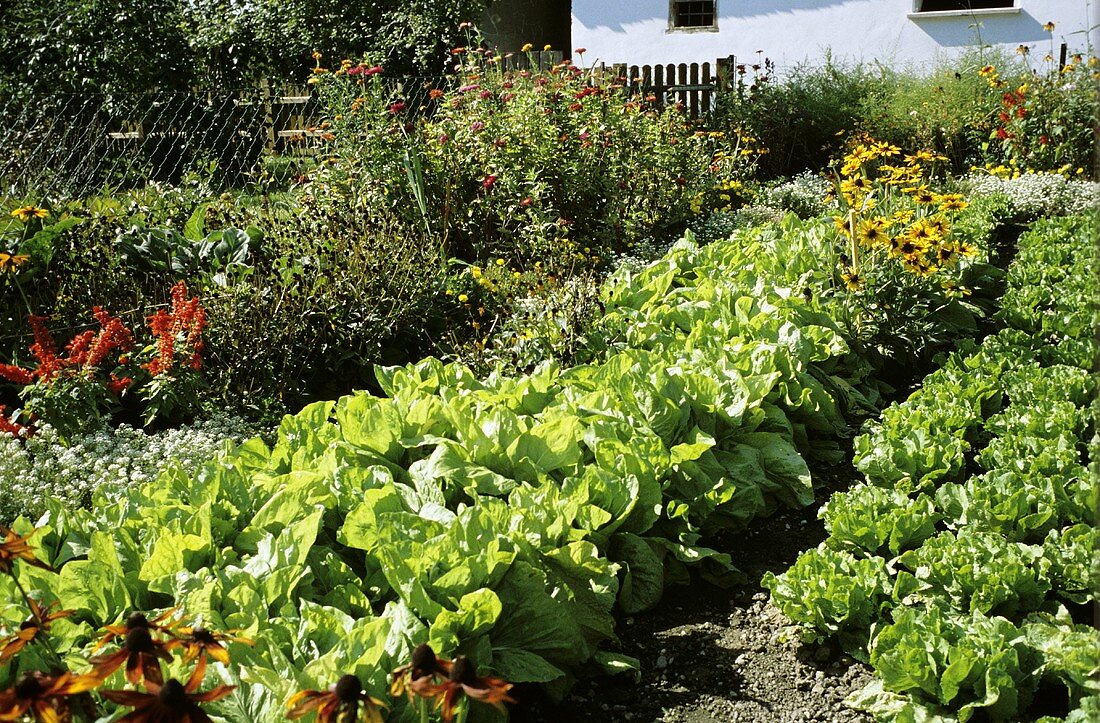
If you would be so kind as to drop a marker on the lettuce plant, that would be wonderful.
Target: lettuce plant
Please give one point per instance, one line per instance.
(831, 592)
(870, 518)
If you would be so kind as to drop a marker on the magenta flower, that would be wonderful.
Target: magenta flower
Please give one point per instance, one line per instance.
(397, 107)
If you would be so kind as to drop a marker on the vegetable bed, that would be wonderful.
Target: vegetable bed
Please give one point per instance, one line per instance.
(963, 569)
(502, 519)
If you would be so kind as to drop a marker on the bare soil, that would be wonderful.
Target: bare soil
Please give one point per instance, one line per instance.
(713, 655)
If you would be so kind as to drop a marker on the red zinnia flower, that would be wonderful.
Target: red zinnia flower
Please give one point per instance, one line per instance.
(488, 181)
(397, 107)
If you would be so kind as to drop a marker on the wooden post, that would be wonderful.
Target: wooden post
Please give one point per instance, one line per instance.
(726, 71)
(707, 97)
(659, 84)
(692, 96)
(269, 117)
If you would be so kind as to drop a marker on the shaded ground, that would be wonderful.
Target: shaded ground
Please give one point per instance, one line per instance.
(711, 655)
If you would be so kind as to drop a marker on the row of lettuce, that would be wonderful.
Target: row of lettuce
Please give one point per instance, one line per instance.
(964, 568)
(503, 518)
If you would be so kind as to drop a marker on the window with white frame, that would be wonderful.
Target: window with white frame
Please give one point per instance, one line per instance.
(936, 6)
(691, 15)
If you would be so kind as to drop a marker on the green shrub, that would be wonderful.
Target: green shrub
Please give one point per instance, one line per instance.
(557, 166)
(800, 118)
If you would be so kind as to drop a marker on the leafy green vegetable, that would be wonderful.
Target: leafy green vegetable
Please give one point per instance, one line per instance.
(965, 662)
(832, 592)
(869, 518)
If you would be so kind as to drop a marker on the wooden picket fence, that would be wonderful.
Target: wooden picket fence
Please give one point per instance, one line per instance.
(693, 86)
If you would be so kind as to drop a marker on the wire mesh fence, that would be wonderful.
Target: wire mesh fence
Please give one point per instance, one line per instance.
(65, 146)
(71, 145)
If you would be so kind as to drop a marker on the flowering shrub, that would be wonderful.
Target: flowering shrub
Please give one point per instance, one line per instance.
(1046, 118)
(74, 390)
(111, 461)
(519, 164)
(904, 267)
(806, 195)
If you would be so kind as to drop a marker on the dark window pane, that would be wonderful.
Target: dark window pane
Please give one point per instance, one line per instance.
(931, 6)
(693, 14)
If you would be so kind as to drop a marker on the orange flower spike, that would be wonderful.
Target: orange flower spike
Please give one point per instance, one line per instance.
(15, 547)
(38, 622)
(42, 696)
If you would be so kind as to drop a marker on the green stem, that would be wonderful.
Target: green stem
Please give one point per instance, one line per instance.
(23, 295)
(42, 638)
(423, 704)
(463, 711)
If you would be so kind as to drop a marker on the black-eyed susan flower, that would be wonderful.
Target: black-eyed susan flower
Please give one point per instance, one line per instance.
(171, 702)
(38, 622)
(342, 703)
(26, 213)
(164, 623)
(11, 262)
(43, 696)
(198, 643)
(15, 547)
(952, 202)
(872, 232)
(852, 279)
(463, 681)
(422, 664)
(142, 655)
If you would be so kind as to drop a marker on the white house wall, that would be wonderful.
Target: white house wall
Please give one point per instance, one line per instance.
(791, 31)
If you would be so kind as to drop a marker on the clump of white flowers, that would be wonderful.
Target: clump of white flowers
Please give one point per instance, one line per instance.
(111, 460)
(1035, 195)
(806, 195)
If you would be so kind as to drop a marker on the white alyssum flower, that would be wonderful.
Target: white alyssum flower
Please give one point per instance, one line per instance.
(110, 460)
(1036, 195)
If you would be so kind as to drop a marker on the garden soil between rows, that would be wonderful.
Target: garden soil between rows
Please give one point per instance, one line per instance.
(713, 655)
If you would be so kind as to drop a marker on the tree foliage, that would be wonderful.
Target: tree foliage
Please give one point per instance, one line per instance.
(116, 45)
